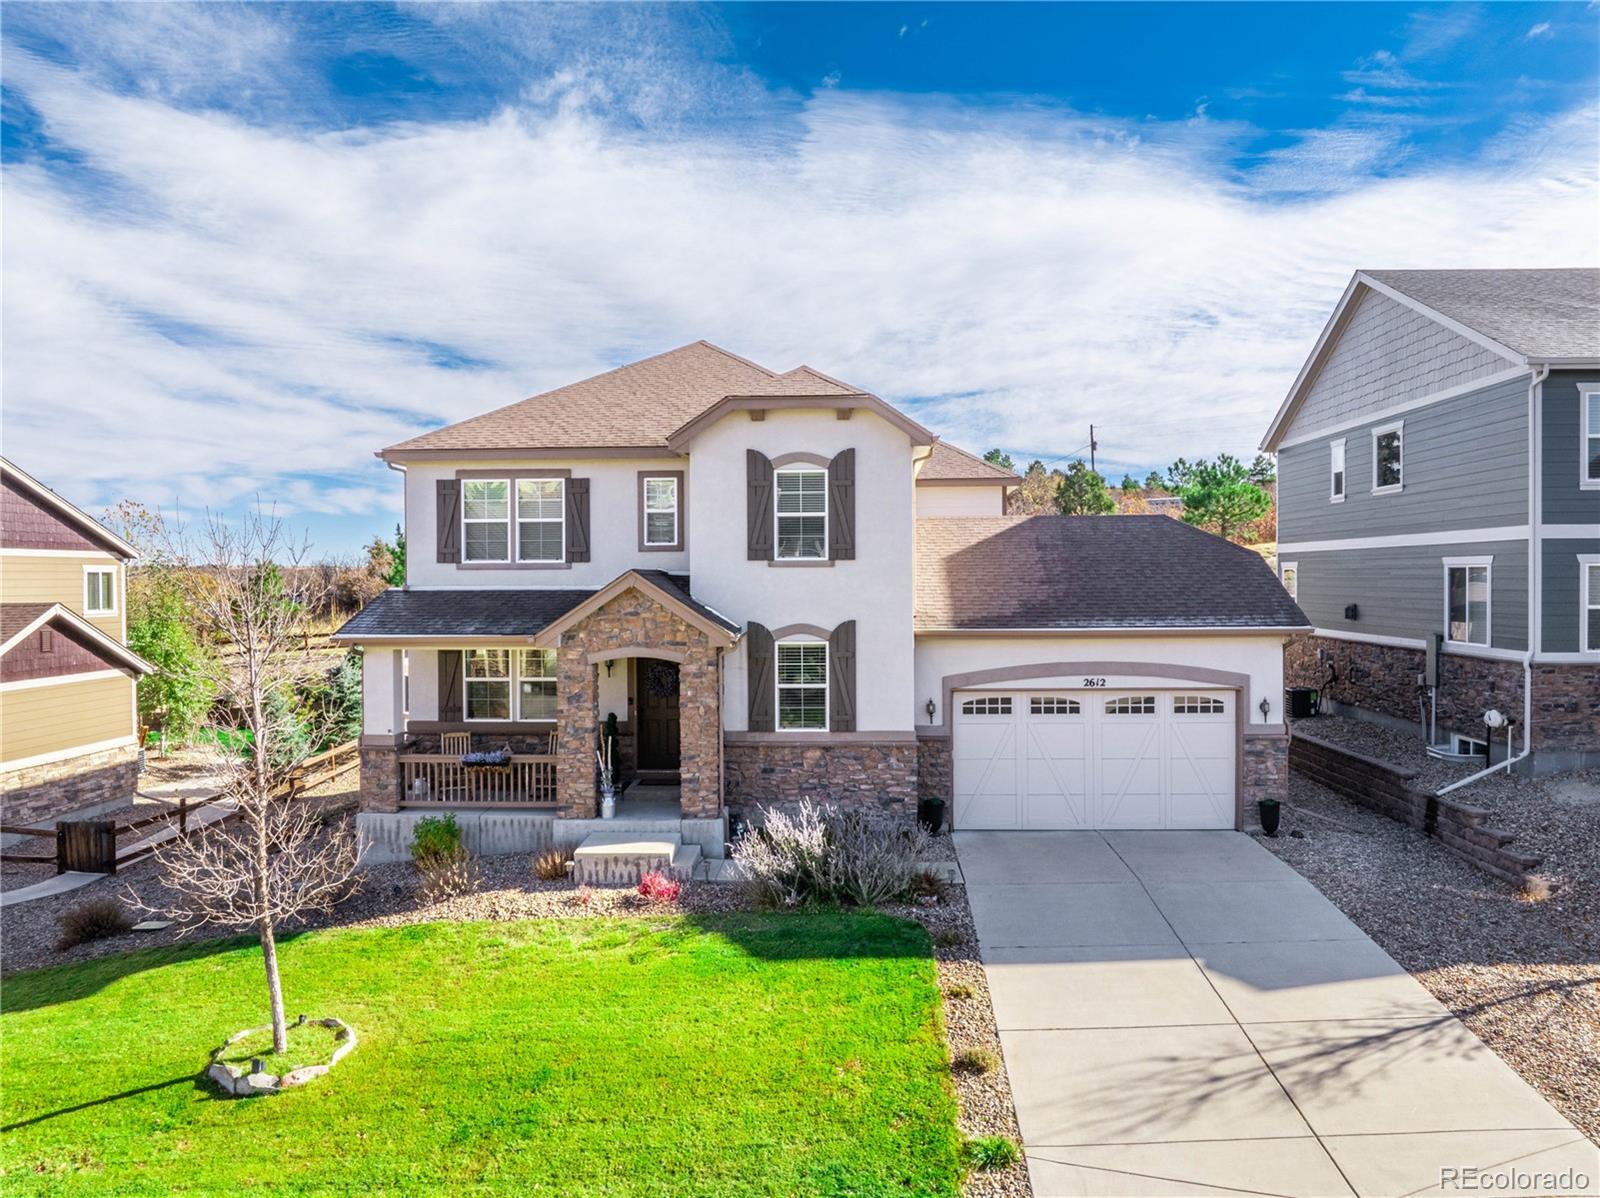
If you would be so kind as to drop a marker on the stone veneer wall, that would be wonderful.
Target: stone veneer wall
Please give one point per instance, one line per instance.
(1383, 678)
(380, 777)
(1389, 790)
(635, 622)
(1566, 709)
(42, 793)
(1265, 774)
(936, 769)
(875, 774)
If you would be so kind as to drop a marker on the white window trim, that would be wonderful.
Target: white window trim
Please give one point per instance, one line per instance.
(518, 678)
(97, 611)
(517, 521)
(676, 538)
(1585, 432)
(1284, 568)
(1398, 427)
(509, 521)
(776, 516)
(1336, 448)
(514, 678)
(1588, 603)
(778, 686)
(1487, 563)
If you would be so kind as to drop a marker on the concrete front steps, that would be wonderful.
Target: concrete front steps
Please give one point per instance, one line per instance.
(612, 857)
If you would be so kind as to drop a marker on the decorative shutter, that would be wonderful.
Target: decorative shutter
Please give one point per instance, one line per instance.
(758, 468)
(759, 666)
(842, 507)
(577, 490)
(842, 678)
(451, 706)
(447, 522)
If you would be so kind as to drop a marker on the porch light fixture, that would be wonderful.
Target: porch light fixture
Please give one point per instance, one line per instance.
(1266, 706)
(930, 709)
(610, 664)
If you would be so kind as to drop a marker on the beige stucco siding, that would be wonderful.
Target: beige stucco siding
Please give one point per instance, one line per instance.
(935, 499)
(30, 578)
(36, 720)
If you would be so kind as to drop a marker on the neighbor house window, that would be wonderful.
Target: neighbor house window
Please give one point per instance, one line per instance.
(100, 591)
(486, 519)
(1290, 573)
(541, 520)
(1589, 444)
(1589, 597)
(802, 513)
(536, 684)
(1336, 471)
(1466, 601)
(660, 511)
(1388, 451)
(488, 683)
(802, 685)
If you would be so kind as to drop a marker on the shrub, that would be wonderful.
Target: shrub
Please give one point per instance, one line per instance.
(658, 888)
(434, 836)
(960, 990)
(448, 875)
(551, 865)
(928, 884)
(991, 1152)
(975, 1060)
(823, 854)
(949, 938)
(94, 920)
(584, 895)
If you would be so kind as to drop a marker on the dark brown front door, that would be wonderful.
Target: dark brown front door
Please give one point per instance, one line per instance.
(658, 714)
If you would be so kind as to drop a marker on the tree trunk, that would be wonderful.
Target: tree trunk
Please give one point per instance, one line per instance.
(269, 954)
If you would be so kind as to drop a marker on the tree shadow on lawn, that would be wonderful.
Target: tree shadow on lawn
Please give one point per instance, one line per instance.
(197, 1080)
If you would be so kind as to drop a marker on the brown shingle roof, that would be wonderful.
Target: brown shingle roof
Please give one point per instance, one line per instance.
(949, 463)
(14, 617)
(802, 380)
(1540, 313)
(1082, 572)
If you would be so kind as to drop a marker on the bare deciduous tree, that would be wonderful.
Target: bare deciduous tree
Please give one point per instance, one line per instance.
(273, 861)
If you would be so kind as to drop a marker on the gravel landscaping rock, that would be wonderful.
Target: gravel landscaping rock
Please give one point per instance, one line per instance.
(1522, 973)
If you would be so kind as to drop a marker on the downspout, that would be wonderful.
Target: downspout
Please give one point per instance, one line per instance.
(1535, 391)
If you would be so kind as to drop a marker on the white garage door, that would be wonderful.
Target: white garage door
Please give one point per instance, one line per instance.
(1094, 759)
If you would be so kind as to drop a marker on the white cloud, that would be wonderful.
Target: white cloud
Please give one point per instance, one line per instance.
(1542, 29)
(255, 309)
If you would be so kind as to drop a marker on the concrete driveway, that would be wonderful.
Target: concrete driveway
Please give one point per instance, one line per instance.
(1182, 1013)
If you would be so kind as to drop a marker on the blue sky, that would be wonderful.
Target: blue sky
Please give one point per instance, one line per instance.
(246, 245)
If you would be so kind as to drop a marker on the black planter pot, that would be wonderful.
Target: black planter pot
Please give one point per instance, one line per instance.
(1270, 812)
(930, 814)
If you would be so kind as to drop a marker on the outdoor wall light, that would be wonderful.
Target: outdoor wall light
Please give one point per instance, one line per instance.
(611, 663)
(1266, 706)
(930, 709)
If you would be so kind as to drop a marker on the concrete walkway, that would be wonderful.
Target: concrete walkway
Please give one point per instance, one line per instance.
(1182, 1013)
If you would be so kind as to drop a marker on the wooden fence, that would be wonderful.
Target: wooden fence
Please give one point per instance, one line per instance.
(433, 779)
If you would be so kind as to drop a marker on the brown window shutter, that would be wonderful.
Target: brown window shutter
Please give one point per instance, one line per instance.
(451, 706)
(759, 666)
(842, 507)
(577, 519)
(758, 468)
(448, 520)
(842, 678)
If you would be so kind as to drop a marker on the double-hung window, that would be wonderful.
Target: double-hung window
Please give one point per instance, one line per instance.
(1336, 471)
(487, 689)
(1589, 601)
(485, 519)
(660, 512)
(1388, 451)
(541, 520)
(1466, 600)
(802, 689)
(1589, 442)
(536, 684)
(802, 514)
(100, 591)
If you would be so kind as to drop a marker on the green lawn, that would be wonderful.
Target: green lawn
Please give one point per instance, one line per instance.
(742, 1054)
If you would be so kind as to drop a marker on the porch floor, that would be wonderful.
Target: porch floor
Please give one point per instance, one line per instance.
(647, 801)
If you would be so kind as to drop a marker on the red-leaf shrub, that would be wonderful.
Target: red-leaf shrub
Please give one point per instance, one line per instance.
(658, 888)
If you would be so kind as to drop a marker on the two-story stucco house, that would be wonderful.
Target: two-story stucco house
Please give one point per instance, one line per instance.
(68, 709)
(1439, 506)
(781, 586)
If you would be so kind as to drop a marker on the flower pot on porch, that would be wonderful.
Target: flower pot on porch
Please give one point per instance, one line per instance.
(1268, 809)
(930, 814)
(608, 804)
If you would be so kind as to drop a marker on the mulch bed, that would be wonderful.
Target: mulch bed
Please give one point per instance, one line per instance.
(1522, 973)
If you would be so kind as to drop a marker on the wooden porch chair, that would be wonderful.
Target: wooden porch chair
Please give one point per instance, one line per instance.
(453, 743)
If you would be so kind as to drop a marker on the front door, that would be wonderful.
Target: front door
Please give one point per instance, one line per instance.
(658, 714)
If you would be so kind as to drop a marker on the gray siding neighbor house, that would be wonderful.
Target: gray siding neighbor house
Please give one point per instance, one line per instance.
(1439, 486)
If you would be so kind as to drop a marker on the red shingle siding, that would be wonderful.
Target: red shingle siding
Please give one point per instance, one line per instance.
(24, 524)
(67, 656)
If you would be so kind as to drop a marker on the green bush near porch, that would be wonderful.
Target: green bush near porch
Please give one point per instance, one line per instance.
(718, 1055)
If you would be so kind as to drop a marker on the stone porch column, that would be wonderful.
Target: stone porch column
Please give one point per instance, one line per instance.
(382, 728)
(577, 694)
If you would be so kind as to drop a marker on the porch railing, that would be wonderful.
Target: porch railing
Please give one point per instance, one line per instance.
(440, 780)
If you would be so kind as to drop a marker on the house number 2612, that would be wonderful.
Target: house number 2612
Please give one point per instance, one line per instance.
(1094, 682)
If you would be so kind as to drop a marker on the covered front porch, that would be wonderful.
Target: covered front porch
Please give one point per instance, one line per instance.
(503, 721)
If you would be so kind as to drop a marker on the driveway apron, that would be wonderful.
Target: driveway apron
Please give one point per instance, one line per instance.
(1182, 1013)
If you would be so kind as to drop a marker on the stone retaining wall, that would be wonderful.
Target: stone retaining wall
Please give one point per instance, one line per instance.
(41, 794)
(877, 774)
(1389, 790)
